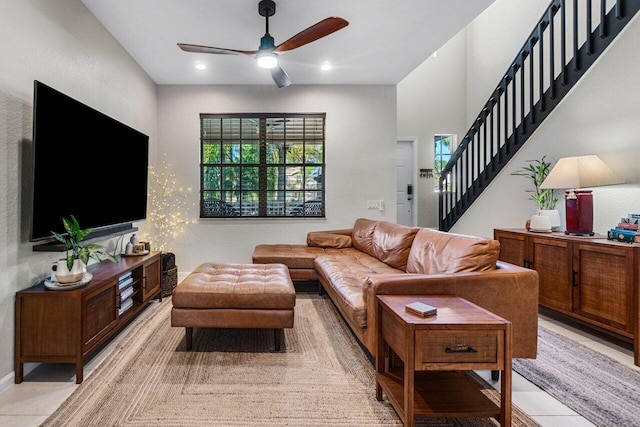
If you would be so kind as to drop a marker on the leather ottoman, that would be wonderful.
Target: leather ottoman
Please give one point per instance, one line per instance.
(217, 295)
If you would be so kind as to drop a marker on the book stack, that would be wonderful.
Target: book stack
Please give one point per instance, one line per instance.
(125, 288)
(627, 230)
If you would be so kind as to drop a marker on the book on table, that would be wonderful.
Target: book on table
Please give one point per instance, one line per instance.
(421, 309)
(628, 226)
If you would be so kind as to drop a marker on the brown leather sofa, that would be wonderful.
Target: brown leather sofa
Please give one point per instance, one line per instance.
(379, 257)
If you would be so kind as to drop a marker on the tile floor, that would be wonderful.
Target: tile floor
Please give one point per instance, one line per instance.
(46, 387)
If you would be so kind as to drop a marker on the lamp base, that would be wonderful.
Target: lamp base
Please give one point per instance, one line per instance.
(577, 233)
(579, 212)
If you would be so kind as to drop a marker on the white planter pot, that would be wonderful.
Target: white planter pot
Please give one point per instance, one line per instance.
(64, 275)
(554, 217)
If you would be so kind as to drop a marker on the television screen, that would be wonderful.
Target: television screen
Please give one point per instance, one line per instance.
(85, 164)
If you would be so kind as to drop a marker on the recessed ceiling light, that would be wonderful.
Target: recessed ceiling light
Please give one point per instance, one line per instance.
(326, 66)
(201, 66)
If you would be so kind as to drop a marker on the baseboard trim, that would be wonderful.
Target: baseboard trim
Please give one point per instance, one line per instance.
(10, 379)
(7, 381)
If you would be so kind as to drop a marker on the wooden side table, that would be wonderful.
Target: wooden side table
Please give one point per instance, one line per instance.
(435, 351)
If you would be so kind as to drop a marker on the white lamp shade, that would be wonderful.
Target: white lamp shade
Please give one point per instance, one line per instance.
(580, 172)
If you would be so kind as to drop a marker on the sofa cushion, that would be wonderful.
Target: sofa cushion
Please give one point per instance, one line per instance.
(293, 256)
(328, 240)
(243, 286)
(392, 242)
(362, 236)
(434, 252)
(347, 270)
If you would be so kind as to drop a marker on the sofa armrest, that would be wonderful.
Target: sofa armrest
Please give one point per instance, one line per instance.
(508, 291)
(503, 277)
(345, 231)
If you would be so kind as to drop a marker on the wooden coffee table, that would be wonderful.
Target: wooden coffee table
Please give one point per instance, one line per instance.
(435, 351)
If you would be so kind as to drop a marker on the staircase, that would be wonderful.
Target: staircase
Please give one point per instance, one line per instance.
(565, 42)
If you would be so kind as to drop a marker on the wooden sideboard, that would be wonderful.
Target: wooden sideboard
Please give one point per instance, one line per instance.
(66, 326)
(592, 280)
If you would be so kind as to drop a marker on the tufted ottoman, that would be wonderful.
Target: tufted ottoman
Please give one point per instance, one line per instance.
(219, 295)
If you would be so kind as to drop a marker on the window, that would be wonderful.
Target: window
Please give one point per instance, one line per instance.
(442, 150)
(262, 165)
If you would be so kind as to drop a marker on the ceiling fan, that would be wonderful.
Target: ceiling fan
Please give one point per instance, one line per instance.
(267, 54)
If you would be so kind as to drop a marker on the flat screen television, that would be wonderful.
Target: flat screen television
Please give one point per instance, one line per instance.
(85, 164)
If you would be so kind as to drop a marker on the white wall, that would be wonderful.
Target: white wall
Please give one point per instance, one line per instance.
(599, 116)
(360, 160)
(431, 101)
(61, 44)
(492, 41)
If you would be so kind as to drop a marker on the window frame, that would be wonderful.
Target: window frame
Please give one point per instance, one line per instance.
(298, 185)
(441, 154)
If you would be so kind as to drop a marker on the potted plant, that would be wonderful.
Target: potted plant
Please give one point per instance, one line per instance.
(71, 269)
(537, 171)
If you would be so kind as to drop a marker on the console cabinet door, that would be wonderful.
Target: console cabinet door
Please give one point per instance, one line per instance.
(552, 259)
(604, 290)
(512, 247)
(47, 327)
(100, 314)
(151, 279)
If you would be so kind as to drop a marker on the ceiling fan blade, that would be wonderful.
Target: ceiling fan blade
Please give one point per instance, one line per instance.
(313, 33)
(280, 77)
(215, 50)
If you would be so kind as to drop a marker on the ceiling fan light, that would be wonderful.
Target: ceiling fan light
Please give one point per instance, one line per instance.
(267, 60)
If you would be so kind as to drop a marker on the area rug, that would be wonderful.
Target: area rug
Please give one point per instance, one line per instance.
(601, 389)
(321, 377)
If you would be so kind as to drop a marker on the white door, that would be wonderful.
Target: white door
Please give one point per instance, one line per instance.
(405, 191)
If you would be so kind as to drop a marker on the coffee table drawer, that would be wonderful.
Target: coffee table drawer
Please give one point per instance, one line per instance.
(452, 347)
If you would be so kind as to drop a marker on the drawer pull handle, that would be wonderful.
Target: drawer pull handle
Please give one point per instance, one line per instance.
(461, 350)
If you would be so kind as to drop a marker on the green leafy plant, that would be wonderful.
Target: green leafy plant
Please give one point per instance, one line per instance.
(72, 244)
(537, 171)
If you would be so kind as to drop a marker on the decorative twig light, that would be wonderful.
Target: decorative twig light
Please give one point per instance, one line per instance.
(169, 207)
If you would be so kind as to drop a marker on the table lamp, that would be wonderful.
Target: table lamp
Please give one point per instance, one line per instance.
(574, 174)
